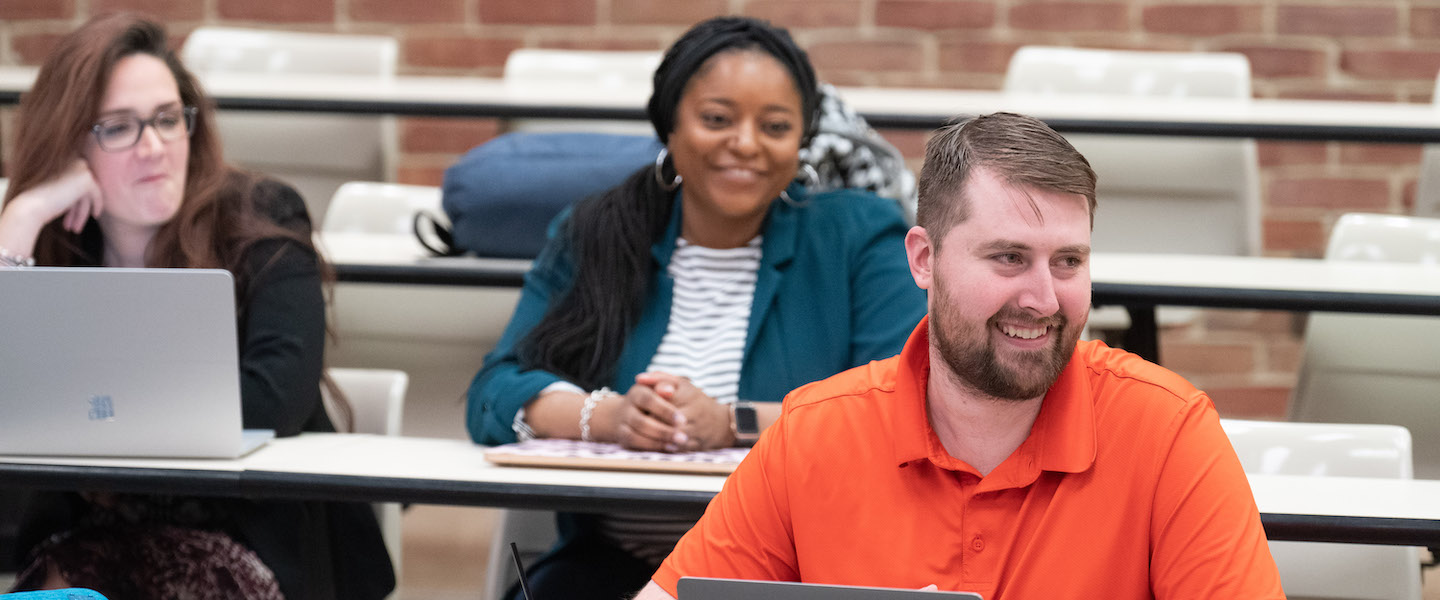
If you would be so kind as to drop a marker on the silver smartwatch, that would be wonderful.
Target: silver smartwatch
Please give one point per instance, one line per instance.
(745, 423)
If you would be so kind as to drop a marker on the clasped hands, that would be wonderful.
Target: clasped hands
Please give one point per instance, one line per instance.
(664, 412)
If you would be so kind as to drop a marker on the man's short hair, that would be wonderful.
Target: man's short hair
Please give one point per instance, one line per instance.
(1022, 150)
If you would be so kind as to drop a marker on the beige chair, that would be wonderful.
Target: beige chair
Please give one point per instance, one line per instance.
(377, 402)
(1377, 369)
(315, 152)
(1311, 570)
(1427, 191)
(533, 532)
(389, 209)
(438, 334)
(591, 72)
(381, 215)
(1157, 194)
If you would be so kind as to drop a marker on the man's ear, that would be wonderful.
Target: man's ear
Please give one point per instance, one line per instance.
(920, 251)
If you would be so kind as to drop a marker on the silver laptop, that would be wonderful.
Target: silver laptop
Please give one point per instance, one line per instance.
(120, 362)
(701, 588)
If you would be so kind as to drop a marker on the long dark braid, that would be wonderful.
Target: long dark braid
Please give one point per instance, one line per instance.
(582, 335)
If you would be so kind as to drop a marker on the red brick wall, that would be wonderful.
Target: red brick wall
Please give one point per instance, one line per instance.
(1370, 49)
(1385, 50)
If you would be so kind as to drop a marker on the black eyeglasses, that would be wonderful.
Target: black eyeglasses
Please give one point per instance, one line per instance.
(115, 134)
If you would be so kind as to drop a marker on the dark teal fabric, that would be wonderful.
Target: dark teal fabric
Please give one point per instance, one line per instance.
(833, 291)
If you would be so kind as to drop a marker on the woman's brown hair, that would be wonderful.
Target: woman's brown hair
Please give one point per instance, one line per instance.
(216, 223)
(222, 214)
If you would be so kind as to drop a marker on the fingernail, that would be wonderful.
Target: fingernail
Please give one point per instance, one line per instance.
(671, 448)
(681, 438)
(679, 418)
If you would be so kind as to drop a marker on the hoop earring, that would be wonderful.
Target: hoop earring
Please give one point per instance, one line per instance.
(660, 172)
(808, 175)
(785, 197)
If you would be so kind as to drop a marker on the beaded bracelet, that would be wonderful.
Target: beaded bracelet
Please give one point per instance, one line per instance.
(14, 260)
(588, 410)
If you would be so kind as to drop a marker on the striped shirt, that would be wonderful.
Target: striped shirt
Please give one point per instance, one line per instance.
(705, 341)
(709, 315)
(709, 319)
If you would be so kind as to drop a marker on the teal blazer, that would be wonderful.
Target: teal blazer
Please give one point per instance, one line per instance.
(833, 292)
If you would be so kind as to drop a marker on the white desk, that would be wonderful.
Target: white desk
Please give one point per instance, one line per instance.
(1139, 282)
(395, 469)
(883, 107)
(399, 259)
(1298, 284)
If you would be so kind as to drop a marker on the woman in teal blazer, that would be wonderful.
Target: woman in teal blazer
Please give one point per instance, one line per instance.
(714, 244)
(833, 292)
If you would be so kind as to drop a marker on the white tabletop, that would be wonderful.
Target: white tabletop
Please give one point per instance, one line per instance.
(1263, 273)
(378, 468)
(443, 460)
(401, 251)
(1347, 496)
(460, 460)
(1142, 281)
(1165, 279)
(884, 107)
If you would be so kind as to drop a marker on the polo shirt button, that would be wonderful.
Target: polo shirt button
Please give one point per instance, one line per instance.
(977, 544)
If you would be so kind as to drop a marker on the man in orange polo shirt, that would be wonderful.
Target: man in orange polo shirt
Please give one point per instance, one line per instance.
(997, 453)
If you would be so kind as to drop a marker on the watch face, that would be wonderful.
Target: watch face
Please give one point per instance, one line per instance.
(745, 420)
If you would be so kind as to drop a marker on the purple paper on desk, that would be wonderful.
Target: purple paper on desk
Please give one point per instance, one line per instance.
(575, 454)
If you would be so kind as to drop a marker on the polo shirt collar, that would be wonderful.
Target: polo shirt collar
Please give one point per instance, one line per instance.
(913, 433)
(1062, 438)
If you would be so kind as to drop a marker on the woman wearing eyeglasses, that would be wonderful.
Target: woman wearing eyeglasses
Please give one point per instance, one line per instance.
(116, 164)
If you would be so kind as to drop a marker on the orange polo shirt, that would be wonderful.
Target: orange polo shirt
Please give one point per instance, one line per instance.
(1126, 488)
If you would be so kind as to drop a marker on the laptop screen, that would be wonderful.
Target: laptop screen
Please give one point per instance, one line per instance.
(119, 362)
(701, 588)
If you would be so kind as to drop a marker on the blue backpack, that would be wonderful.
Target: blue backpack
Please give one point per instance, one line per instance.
(501, 196)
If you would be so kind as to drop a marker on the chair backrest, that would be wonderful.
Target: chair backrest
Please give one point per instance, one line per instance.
(590, 72)
(533, 532)
(1377, 369)
(377, 402)
(1157, 194)
(376, 397)
(1323, 570)
(1427, 191)
(313, 152)
(1322, 449)
(386, 213)
(381, 208)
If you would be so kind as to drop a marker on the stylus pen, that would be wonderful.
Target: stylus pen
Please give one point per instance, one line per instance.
(524, 585)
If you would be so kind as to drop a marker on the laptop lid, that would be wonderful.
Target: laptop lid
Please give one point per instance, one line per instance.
(702, 588)
(119, 362)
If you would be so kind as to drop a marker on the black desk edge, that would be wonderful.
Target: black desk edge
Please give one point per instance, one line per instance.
(493, 494)
(880, 120)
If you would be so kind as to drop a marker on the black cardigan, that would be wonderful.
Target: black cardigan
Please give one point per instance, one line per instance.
(317, 550)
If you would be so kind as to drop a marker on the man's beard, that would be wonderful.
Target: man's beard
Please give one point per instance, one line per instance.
(971, 354)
